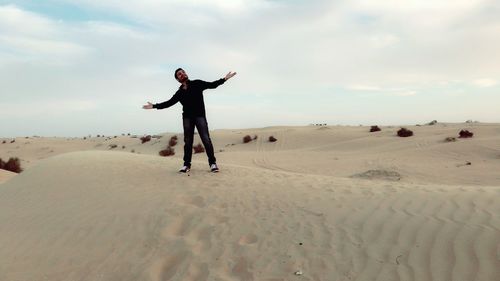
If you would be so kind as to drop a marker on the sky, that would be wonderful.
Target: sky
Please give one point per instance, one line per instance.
(74, 68)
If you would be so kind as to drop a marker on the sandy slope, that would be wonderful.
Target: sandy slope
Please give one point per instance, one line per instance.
(273, 210)
(6, 175)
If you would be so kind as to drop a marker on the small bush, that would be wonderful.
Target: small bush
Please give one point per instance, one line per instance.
(374, 129)
(198, 148)
(255, 137)
(145, 138)
(172, 141)
(111, 146)
(4, 141)
(13, 165)
(133, 150)
(450, 139)
(403, 132)
(169, 151)
(433, 122)
(272, 139)
(12, 141)
(98, 136)
(247, 139)
(465, 134)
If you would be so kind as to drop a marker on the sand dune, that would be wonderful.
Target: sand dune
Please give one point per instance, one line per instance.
(275, 209)
(6, 175)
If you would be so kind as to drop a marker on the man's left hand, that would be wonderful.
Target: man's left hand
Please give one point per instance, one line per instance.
(229, 75)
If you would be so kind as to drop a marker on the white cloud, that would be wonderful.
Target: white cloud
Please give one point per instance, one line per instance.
(46, 108)
(279, 49)
(484, 82)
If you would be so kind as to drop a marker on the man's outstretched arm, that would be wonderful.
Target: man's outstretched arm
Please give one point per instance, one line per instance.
(217, 83)
(164, 104)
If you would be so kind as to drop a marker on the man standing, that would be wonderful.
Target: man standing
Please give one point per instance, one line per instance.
(190, 95)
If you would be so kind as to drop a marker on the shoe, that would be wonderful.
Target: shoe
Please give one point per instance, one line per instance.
(214, 168)
(184, 169)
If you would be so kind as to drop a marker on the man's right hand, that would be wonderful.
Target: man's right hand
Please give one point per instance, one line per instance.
(148, 106)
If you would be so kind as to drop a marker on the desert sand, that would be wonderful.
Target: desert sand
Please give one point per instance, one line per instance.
(320, 203)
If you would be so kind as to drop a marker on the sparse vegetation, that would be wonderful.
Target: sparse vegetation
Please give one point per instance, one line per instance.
(13, 165)
(450, 139)
(198, 148)
(465, 134)
(255, 137)
(247, 139)
(172, 141)
(145, 138)
(4, 141)
(13, 141)
(374, 129)
(403, 132)
(111, 146)
(272, 139)
(123, 147)
(169, 151)
(433, 122)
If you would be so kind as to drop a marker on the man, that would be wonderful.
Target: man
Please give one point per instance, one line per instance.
(190, 95)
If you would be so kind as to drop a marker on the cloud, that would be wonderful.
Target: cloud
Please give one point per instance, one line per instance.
(294, 50)
(484, 82)
(29, 36)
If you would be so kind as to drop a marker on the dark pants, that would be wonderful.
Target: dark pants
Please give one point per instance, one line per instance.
(202, 127)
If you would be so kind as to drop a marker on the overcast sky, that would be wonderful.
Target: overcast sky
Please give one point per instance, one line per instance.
(73, 68)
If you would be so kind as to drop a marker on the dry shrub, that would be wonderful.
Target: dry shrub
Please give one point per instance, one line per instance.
(247, 139)
(123, 147)
(403, 132)
(433, 122)
(465, 134)
(450, 139)
(111, 146)
(374, 129)
(172, 141)
(169, 151)
(4, 141)
(145, 139)
(12, 141)
(255, 137)
(272, 139)
(13, 165)
(198, 148)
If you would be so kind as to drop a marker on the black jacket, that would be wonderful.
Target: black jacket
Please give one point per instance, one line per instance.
(192, 98)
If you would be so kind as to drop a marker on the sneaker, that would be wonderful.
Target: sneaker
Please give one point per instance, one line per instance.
(184, 169)
(214, 168)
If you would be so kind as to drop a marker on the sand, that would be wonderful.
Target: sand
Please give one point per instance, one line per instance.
(330, 202)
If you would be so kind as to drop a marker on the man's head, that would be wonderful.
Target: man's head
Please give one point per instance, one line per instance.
(180, 75)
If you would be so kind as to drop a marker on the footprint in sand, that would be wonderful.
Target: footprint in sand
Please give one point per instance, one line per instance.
(248, 239)
(197, 201)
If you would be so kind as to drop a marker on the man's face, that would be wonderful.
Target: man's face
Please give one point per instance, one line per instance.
(181, 76)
